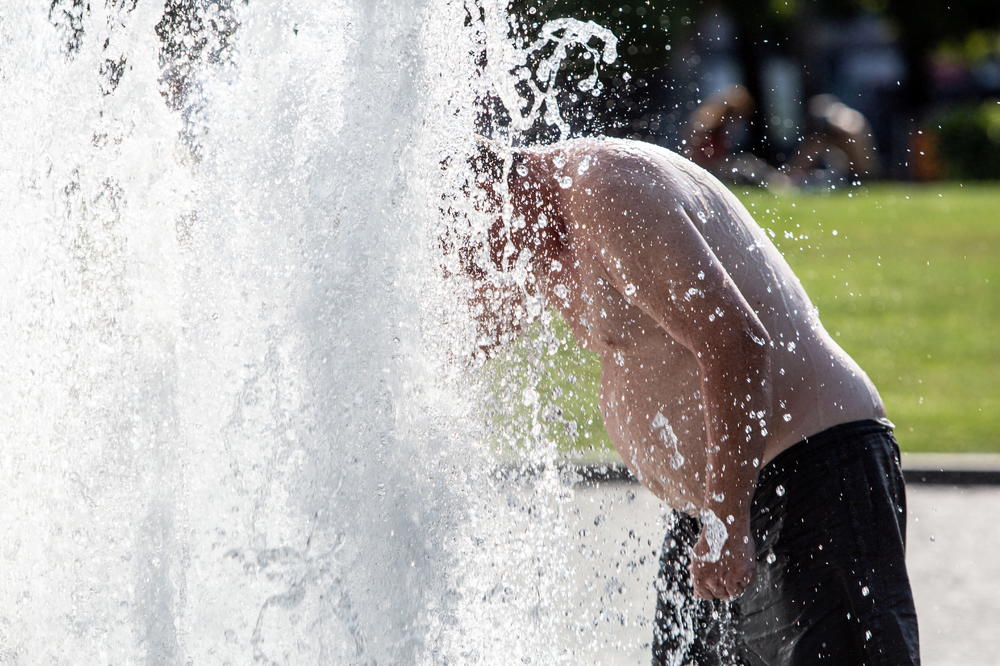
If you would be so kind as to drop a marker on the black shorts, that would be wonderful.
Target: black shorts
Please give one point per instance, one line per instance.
(829, 519)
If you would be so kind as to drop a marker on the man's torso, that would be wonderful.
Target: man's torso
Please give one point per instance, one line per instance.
(651, 387)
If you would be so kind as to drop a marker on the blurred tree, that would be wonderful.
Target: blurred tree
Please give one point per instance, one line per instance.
(758, 23)
(923, 26)
(967, 140)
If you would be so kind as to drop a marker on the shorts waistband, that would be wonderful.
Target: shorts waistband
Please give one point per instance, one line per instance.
(821, 441)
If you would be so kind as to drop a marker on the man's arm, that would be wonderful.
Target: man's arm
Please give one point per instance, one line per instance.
(662, 264)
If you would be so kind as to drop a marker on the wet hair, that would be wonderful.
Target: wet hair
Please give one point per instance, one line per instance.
(487, 159)
(479, 183)
(494, 178)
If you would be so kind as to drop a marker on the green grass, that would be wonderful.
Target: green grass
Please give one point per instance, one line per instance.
(905, 278)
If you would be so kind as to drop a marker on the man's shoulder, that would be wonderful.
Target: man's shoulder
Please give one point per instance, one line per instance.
(612, 153)
(619, 165)
(620, 176)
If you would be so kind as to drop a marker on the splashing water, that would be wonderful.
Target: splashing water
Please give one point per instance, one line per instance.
(666, 434)
(552, 47)
(231, 431)
(716, 534)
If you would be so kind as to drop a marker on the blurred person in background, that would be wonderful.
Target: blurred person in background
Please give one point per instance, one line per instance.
(716, 132)
(838, 149)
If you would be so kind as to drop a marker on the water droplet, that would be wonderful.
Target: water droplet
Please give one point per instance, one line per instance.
(771, 557)
(787, 417)
(701, 275)
(868, 635)
(630, 289)
(780, 490)
(865, 591)
(564, 182)
(715, 534)
(692, 292)
(676, 460)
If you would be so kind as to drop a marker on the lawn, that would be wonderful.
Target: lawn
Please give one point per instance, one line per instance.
(905, 278)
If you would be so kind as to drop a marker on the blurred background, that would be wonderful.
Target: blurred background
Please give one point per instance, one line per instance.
(864, 136)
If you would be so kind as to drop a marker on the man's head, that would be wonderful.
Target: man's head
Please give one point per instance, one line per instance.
(510, 188)
(488, 159)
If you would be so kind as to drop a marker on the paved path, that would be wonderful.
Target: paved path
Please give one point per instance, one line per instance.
(954, 562)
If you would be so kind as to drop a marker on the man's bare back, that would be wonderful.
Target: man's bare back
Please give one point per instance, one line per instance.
(651, 385)
(713, 357)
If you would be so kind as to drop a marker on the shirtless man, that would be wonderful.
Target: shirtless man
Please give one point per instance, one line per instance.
(724, 395)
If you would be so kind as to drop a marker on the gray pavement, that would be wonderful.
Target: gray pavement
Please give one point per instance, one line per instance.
(954, 539)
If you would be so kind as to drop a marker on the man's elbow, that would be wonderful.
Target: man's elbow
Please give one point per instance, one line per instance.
(755, 338)
(741, 350)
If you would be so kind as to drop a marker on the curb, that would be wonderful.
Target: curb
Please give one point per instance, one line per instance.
(952, 469)
(914, 471)
(953, 477)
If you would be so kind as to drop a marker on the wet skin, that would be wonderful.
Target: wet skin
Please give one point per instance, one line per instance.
(713, 358)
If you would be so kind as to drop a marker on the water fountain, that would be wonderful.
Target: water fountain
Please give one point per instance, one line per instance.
(232, 432)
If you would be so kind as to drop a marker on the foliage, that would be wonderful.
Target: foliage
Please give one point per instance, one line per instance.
(968, 140)
(931, 22)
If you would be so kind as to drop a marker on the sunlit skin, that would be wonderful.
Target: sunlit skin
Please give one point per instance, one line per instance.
(713, 358)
